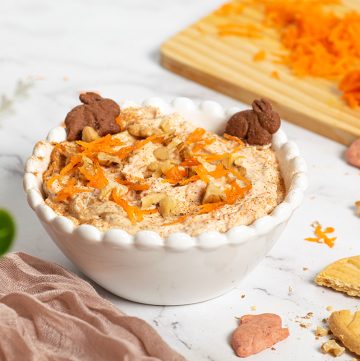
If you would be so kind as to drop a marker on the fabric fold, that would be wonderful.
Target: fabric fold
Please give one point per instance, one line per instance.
(48, 313)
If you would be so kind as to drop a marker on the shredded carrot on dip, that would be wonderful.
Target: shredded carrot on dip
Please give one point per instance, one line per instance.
(134, 213)
(84, 161)
(195, 136)
(133, 186)
(69, 190)
(317, 39)
(322, 235)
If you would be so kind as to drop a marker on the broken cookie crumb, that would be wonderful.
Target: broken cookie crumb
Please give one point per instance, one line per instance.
(333, 348)
(321, 331)
(357, 206)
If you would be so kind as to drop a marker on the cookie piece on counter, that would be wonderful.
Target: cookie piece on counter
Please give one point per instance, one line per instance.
(257, 333)
(342, 275)
(352, 154)
(345, 325)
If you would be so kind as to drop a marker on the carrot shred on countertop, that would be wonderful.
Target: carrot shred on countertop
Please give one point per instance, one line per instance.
(322, 235)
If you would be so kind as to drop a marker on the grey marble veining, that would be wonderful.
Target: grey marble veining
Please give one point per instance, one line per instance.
(62, 48)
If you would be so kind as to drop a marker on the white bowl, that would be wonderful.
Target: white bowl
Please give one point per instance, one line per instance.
(179, 269)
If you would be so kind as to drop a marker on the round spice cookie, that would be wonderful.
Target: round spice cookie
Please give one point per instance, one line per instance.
(345, 325)
(342, 275)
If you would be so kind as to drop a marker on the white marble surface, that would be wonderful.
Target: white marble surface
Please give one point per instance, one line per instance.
(112, 47)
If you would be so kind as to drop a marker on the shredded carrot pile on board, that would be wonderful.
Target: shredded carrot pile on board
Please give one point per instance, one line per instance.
(322, 235)
(245, 30)
(317, 41)
(350, 85)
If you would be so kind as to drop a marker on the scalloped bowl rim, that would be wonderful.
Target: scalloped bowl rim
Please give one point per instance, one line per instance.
(178, 241)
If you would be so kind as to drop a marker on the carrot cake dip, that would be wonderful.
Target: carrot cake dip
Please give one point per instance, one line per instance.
(157, 172)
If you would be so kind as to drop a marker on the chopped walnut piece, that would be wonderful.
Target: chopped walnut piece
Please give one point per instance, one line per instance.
(333, 348)
(107, 159)
(165, 165)
(140, 131)
(184, 150)
(165, 125)
(151, 199)
(168, 206)
(153, 166)
(161, 153)
(89, 134)
(213, 194)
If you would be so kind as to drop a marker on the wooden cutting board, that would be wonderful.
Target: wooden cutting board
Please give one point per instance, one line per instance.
(226, 64)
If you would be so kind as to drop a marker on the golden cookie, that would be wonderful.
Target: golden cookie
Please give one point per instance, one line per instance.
(342, 275)
(346, 327)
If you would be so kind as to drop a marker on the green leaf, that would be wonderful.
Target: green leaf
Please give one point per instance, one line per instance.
(7, 231)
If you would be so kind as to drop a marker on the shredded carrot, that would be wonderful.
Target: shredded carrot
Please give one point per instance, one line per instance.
(104, 144)
(237, 29)
(192, 179)
(322, 235)
(75, 160)
(134, 213)
(130, 210)
(51, 180)
(133, 186)
(190, 162)
(350, 85)
(274, 74)
(219, 171)
(259, 56)
(195, 136)
(201, 145)
(209, 207)
(180, 219)
(202, 173)
(317, 40)
(230, 9)
(118, 120)
(97, 178)
(235, 139)
(214, 157)
(69, 190)
(153, 138)
(175, 174)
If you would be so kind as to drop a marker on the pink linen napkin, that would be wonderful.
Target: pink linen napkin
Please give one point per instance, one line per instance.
(48, 313)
